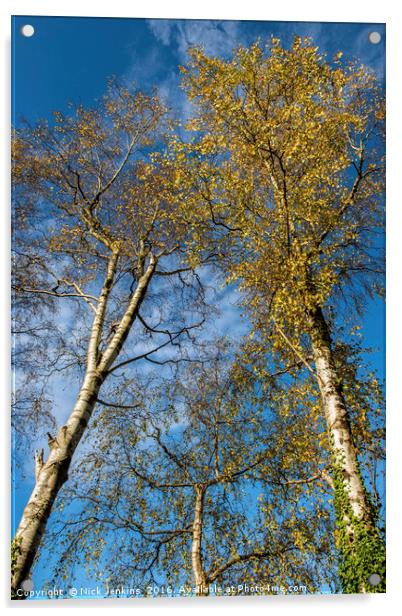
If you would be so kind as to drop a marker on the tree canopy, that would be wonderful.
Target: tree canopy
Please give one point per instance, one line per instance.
(184, 458)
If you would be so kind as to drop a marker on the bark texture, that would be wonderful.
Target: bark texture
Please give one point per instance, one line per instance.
(336, 415)
(362, 551)
(200, 577)
(51, 473)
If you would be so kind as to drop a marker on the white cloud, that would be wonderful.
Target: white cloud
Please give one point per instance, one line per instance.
(216, 37)
(161, 29)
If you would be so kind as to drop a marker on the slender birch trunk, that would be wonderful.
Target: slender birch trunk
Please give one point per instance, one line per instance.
(196, 554)
(51, 474)
(337, 416)
(356, 519)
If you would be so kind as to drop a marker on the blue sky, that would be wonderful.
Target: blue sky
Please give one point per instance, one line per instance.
(71, 59)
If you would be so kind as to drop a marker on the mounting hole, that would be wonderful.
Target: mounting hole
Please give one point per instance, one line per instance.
(374, 579)
(27, 585)
(27, 30)
(374, 37)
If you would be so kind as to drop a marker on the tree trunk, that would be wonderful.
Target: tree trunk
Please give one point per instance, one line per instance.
(336, 415)
(196, 555)
(356, 518)
(51, 474)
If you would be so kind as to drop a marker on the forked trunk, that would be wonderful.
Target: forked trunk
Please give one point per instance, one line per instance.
(52, 473)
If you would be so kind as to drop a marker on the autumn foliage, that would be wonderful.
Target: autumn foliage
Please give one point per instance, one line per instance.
(240, 456)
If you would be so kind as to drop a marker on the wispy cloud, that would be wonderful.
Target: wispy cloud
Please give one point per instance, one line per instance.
(161, 29)
(173, 38)
(216, 37)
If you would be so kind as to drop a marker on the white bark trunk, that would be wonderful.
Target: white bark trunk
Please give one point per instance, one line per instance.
(52, 473)
(50, 476)
(337, 417)
(196, 554)
(126, 322)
